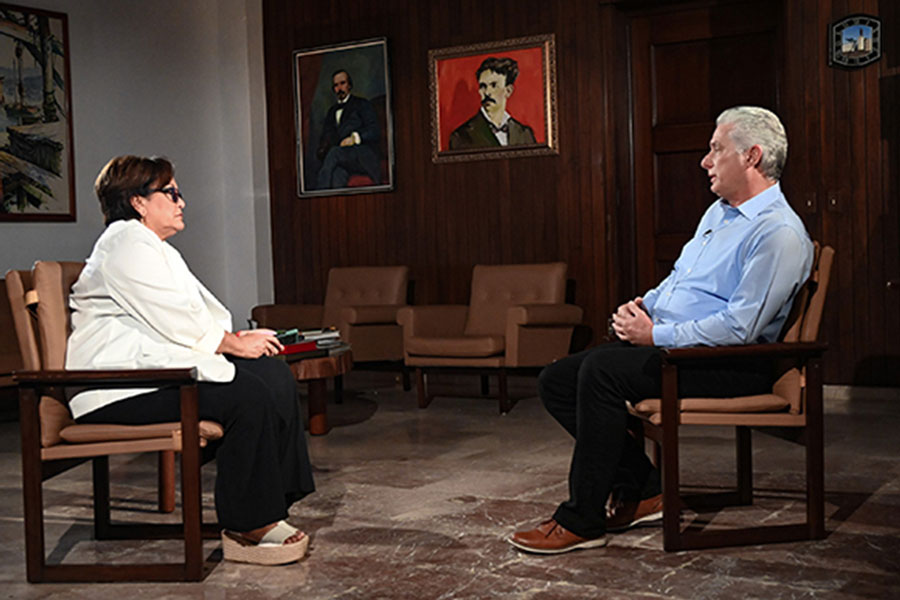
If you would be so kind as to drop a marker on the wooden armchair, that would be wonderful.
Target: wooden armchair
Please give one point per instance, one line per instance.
(516, 317)
(53, 443)
(793, 407)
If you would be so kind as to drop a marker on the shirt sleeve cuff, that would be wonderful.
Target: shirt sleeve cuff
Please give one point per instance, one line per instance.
(356, 139)
(663, 335)
(210, 341)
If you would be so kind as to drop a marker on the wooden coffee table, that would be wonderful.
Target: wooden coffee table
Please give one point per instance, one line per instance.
(316, 372)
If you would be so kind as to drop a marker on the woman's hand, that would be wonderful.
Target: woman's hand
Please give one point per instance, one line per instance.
(251, 343)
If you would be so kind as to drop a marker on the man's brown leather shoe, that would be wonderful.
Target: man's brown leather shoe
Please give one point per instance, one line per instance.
(625, 514)
(552, 538)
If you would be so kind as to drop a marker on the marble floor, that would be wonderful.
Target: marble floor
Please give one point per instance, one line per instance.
(416, 504)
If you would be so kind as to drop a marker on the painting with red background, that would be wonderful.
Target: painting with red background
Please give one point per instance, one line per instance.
(458, 98)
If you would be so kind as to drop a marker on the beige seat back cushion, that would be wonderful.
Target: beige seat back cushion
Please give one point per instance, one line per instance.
(495, 288)
(18, 283)
(52, 282)
(363, 286)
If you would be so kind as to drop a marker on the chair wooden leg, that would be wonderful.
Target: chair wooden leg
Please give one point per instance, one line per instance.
(503, 392)
(338, 389)
(407, 384)
(100, 470)
(166, 481)
(670, 476)
(744, 457)
(422, 395)
(815, 460)
(32, 485)
(191, 506)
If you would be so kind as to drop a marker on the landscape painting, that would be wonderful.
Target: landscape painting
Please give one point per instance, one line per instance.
(36, 163)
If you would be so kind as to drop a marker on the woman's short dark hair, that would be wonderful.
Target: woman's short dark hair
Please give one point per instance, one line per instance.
(127, 176)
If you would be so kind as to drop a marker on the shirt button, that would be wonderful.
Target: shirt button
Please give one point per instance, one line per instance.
(689, 270)
(704, 243)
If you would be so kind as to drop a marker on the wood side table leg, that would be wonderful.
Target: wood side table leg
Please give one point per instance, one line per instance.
(318, 407)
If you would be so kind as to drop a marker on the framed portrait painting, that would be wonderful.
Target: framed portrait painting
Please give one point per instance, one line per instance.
(36, 158)
(494, 100)
(344, 122)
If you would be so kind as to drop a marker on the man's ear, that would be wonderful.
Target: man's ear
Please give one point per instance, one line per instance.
(754, 155)
(509, 90)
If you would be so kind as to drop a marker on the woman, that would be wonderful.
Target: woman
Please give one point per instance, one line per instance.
(137, 305)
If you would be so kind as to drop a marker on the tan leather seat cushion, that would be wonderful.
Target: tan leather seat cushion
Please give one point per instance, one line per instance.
(761, 403)
(83, 434)
(467, 346)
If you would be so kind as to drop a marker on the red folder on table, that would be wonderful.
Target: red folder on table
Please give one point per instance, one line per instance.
(300, 347)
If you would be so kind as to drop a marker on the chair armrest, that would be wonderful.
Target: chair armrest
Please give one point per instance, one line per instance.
(107, 378)
(545, 314)
(779, 350)
(436, 320)
(285, 316)
(364, 315)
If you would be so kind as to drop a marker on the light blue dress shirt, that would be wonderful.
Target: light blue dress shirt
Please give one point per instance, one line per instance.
(735, 280)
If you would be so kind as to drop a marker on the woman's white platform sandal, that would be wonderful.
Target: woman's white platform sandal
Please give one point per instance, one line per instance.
(271, 549)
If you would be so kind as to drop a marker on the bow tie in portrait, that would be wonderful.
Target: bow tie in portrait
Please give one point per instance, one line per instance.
(504, 128)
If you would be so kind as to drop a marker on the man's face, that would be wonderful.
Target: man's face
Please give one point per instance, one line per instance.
(493, 91)
(725, 166)
(341, 85)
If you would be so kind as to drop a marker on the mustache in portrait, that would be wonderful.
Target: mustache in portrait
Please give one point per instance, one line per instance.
(486, 100)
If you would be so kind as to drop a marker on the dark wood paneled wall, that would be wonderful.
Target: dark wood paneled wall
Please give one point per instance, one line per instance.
(443, 219)
(843, 177)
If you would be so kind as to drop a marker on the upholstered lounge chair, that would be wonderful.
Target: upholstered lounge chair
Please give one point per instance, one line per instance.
(53, 443)
(516, 317)
(793, 410)
(362, 302)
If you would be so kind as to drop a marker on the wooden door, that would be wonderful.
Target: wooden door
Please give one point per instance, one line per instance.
(687, 65)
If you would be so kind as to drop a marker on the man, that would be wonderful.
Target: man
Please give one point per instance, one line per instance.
(733, 284)
(492, 126)
(350, 133)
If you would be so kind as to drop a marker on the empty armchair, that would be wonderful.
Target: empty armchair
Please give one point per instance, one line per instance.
(516, 317)
(362, 302)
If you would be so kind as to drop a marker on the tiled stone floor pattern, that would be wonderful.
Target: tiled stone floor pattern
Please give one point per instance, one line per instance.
(416, 504)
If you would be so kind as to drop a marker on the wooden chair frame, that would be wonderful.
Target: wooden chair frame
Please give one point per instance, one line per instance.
(35, 470)
(798, 359)
(667, 440)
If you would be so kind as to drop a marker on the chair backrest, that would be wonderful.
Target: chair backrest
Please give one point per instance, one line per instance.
(497, 287)
(363, 286)
(10, 357)
(18, 284)
(53, 281)
(802, 324)
(42, 326)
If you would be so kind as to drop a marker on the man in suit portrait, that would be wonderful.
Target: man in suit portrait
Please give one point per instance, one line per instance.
(350, 133)
(492, 126)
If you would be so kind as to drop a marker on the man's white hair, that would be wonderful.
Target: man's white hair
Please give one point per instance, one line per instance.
(755, 126)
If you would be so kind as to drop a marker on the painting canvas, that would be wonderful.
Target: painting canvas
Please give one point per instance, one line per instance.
(36, 163)
(343, 119)
(494, 100)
